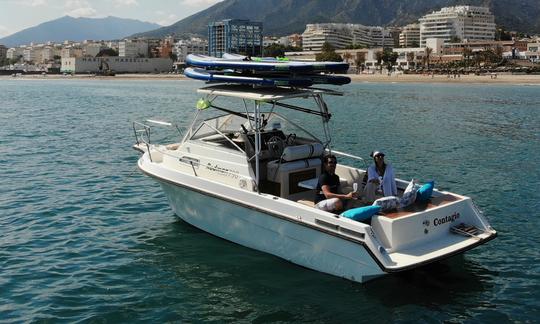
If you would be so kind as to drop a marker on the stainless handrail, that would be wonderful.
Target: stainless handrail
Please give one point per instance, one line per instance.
(350, 156)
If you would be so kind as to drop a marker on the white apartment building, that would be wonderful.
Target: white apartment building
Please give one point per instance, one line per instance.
(133, 48)
(193, 46)
(410, 36)
(14, 52)
(32, 54)
(468, 23)
(49, 52)
(315, 35)
(343, 35)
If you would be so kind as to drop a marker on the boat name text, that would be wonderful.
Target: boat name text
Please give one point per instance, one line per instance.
(446, 219)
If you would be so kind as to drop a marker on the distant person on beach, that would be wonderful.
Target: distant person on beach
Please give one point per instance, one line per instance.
(381, 180)
(328, 197)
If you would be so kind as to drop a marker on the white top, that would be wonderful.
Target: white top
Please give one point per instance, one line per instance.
(388, 180)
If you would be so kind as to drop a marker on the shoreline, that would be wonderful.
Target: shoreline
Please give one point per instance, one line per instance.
(355, 78)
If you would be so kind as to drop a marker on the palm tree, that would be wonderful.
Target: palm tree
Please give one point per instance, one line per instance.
(347, 56)
(467, 52)
(359, 61)
(429, 50)
(410, 57)
(379, 57)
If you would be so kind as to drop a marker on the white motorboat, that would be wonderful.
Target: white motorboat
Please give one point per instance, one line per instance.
(247, 173)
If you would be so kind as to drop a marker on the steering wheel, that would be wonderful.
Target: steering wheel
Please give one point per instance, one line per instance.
(291, 139)
(276, 145)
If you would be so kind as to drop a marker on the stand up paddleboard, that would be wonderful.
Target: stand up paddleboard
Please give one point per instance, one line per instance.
(214, 63)
(218, 76)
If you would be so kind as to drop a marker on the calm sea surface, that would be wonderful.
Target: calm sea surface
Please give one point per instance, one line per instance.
(85, 237)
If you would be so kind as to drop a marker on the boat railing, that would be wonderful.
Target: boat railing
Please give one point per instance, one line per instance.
(143, 131)
(355, 157)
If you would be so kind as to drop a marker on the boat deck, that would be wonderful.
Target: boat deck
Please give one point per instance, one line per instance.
(420, 207)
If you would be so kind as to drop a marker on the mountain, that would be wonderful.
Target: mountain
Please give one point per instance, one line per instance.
(282, 17)
(78, 29)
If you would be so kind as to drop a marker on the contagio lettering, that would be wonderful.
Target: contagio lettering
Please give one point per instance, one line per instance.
(446, 219)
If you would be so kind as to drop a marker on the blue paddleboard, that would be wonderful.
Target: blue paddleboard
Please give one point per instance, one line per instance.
(219, 76)
(214, 63)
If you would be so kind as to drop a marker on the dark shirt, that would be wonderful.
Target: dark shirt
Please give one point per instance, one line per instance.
(332, 181)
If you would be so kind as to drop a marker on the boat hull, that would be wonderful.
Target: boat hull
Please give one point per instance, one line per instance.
(255, 229)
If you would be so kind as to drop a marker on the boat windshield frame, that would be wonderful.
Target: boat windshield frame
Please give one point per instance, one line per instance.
(264, 95)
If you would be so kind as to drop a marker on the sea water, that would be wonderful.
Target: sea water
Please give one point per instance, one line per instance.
(86, 237)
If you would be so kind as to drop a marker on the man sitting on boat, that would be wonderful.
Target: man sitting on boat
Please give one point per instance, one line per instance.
(381, 180)
(328, 197)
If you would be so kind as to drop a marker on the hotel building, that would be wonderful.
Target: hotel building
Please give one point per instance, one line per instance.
(235, 36)
(343, 35)
(410, 36)
(466, 23)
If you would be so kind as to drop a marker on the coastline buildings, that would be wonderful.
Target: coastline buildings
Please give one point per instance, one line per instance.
(343, 35)
(116, 63)
(461, 23)
(235, 36)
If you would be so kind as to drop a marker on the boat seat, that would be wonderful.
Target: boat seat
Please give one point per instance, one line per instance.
(297, 163)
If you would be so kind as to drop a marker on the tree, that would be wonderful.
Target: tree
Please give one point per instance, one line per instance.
(278, 50)
(467, 52)
(173, 57)
(359, 61)
(347, 56)
(107, 52)
(389, 57)
(379, 57)
(328, 54)
(455, 39)
(410, 57)
(429, 50)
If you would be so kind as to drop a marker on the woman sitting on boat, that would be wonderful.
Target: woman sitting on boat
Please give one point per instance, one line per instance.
(328, 197)
(381, 179)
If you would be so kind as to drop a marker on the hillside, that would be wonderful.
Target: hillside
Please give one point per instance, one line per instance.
(78, 29)
(281, 17)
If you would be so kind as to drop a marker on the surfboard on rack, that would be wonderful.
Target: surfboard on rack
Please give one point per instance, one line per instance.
(214, 63)
(226, 77)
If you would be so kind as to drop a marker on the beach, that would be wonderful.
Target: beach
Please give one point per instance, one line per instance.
(377, 78)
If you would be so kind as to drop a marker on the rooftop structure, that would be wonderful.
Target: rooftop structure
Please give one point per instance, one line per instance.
(235, 36)
(466, 23)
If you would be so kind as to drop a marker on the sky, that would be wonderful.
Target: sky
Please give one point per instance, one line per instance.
(16, 15)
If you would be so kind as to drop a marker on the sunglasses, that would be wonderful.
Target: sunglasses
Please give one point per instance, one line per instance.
(331, 162)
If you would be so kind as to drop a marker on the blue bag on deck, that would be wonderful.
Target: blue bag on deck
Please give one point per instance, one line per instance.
(361, 213)
(424, 193)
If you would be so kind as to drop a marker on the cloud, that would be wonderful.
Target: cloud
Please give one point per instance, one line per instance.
(125, 3)
(199, 3)
(4, 31)
(32, 3)
(167, 19)
(79, 8)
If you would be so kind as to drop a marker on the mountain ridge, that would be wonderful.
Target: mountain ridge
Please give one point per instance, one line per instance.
(283, 17)
(78, 29)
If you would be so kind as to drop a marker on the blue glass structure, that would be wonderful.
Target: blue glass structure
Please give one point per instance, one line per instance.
(235, 36)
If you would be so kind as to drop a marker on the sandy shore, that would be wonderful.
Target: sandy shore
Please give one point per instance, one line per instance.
(375, 78)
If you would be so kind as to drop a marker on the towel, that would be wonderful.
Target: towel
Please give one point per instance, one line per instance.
(388, 182)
